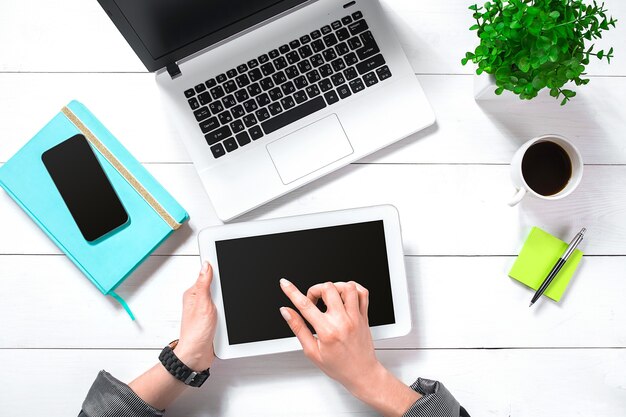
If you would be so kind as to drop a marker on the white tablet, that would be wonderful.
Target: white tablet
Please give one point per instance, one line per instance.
(362, 245)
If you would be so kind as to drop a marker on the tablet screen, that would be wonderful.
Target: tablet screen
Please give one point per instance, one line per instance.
(250, 269)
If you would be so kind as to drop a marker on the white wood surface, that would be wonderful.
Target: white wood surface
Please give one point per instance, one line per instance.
(472, 327)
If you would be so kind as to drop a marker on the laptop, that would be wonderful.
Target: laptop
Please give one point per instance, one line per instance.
(270, 95)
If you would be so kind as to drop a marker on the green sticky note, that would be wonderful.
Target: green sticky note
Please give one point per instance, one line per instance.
(539, 254)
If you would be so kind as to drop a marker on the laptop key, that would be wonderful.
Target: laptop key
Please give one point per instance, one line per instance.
(279, 77)
(293, 57)
(326, 30)
(221, 78)
(316, 34)
(218, 150)
(346, 20)
(216, 107)
(275, 93)
(243, 138)
(318, 45)
(369, 46)
(336, 24)
(268, 69)
(225, 117)
(305, 51)
(242, 80)
(241, 95)
(304, 66)
(209, 124)
(253, 63)
(325, 85)
(254, 89)
(300, 82)
(355, 43)
(229, 101)
(357, 15)
(193, 103)
(351, 59)
(313, 91)
(273, 53)
(383, 73)
(230, 86)
(249, 120)
(300, 97)
(242, 68)
(370, 63)
(329, 55)
(256, 132)
(202, 113)
(250, 106)
(326, 70)
(200, 88)
(231, 73)
(190, 93)
(217, 92)
(358, 27)
(287, 102)
(317, 60)
(262, 114)
(263, 59)
(255, 75)
(350, 73)
(338, 65)
(342, 48)
(330, 40)
(230, 144)
(267, 83)
(356, 85)
(294, 114)
(331, 97)
(313, 76)
(263, 100)
(305, 39)
(218, 135)
(280, 63)
(338, 79)
(275, 108)
(237, 126)
(344, 91)
(210, 83)
(284, 49)
(292, 72)
(294, 44)
(238, 111)
(370, 79)
(204, 98)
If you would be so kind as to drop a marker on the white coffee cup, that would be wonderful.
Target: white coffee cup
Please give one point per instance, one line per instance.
(518, 178)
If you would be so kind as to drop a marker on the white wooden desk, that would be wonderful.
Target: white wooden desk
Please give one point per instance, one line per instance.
(473, 329)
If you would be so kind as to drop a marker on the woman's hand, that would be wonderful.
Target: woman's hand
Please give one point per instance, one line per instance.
(343, 348)
(197, 329)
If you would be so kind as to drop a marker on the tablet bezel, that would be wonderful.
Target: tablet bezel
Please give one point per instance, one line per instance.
(395, 255)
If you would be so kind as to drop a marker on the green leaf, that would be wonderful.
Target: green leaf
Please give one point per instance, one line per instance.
(523, 64)
(473, 7)
(555, 15)
(568, 93)
(554, 92)
(600, 54)
(515, 24)
(499, 90)
(474, 27)
(564, 102)
(553, 55)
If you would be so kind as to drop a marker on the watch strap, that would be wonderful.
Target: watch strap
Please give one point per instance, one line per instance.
(181, 371)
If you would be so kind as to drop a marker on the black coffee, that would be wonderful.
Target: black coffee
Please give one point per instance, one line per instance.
(546, 168)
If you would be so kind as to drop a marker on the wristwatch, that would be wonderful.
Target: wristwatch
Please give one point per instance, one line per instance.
(179, 370)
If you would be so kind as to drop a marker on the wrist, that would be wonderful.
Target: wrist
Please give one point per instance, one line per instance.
(193, 358)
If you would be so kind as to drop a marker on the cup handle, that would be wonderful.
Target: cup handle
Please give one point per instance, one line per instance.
(517, 197)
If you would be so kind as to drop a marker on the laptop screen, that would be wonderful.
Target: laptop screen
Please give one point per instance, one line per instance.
(163, 31)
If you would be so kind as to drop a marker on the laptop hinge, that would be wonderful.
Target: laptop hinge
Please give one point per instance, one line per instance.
(173, 70)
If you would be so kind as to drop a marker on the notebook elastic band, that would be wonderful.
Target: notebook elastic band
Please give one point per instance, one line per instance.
(130, 178)
(123, 303)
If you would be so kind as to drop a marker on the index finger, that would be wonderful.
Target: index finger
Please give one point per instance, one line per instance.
(309, 310)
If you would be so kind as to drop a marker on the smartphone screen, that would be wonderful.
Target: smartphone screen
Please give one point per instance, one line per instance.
(85, 188)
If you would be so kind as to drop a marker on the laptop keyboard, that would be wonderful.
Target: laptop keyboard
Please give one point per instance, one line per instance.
(286, 84)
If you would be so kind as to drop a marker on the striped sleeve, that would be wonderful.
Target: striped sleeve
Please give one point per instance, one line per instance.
(436, 401)
(109, 397)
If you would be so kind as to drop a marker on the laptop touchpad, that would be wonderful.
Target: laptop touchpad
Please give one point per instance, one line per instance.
(310, 148)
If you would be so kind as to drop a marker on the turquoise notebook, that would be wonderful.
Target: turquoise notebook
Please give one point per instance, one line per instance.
(153, 213)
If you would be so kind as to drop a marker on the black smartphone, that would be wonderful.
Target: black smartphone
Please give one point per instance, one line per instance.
(85, 188)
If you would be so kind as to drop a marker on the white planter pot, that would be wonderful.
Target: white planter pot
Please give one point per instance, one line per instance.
(484, 87)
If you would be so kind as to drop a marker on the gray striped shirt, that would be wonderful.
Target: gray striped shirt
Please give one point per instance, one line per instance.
(109, 397)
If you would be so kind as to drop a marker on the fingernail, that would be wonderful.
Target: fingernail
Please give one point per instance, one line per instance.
(284, 282)
(285, 313)
(205, 268)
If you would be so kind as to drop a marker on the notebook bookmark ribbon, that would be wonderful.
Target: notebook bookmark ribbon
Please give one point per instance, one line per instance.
(123, 303)
(128, 176)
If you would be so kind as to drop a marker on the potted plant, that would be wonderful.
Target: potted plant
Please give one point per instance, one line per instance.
(529, 45)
